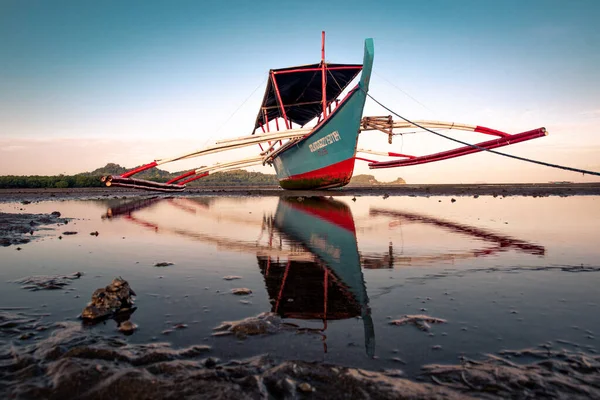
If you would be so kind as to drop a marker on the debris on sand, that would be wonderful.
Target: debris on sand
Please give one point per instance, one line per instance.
(14, 227)
(420, 321)
(95, 233)
(241, 291)
(52, 282)
(555, 375)
(231, 277)
(163, 264)
(67, 233)
(116, 297)
(262, 324)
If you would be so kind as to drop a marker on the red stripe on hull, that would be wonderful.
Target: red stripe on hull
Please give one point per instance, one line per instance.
(337, 214)
(334, 175)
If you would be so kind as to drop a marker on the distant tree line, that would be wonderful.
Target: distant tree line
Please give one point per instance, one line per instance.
(92, 179)
(56, 181)
(237, 177)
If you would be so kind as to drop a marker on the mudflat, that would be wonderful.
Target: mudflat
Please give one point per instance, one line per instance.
(512, 189)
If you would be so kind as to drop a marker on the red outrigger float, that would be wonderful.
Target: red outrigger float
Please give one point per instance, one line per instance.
(323, 155)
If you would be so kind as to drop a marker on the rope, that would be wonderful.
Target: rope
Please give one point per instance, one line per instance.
(235, 112)
(583, 171)
(404, 92)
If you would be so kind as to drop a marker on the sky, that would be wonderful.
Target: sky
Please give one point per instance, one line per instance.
(84, 83)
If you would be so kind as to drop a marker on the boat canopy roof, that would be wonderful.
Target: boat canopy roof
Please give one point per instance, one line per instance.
(300, 90)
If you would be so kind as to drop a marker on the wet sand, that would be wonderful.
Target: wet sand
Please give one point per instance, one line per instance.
(521, 189)
(75, 362)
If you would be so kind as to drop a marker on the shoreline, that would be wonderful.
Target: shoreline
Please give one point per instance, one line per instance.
(520, 189)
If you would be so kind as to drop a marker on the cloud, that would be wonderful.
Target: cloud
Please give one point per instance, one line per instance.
(11, 148)
(591, 113)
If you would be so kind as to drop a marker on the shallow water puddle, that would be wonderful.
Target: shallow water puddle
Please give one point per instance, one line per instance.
(502, 273)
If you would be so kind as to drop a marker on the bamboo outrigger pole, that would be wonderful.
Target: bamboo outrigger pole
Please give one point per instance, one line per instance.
(384, 124)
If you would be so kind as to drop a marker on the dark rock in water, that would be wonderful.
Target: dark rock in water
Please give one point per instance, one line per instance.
(127, 327)
(241, 291)
(116, 297)
(41, 282)
(163, 264)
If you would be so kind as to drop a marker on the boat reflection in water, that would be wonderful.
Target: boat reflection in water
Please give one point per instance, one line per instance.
(307, 251)
(329, 287)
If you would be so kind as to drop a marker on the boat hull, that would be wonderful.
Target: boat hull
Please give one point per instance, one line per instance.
(325, 158)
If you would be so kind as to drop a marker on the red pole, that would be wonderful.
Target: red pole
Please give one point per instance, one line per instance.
(285, 274)
(190, 173)
(193, 178)
(139, 169)
(266, 116)
(463, 151)
(323, 75)
(282, 109)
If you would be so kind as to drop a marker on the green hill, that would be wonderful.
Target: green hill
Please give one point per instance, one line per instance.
(369, 180)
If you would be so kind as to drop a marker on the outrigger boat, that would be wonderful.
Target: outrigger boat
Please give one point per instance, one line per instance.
(322, 156)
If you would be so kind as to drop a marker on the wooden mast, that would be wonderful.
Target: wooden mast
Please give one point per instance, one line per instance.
(323, 76)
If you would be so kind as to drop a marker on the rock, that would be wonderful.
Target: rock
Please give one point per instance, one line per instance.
(55, 214)
(241, 291)
(116, 297)
(66, 233)
(231, 277)
(127, 327)
(163, 264)
(95, 233)
(305, 387)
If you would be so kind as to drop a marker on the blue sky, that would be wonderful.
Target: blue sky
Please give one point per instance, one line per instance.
(169, 74)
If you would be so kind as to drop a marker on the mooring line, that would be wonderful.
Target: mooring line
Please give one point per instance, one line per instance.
(547, 164)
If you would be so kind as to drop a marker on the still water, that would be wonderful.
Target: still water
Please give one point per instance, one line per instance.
(505, 273)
